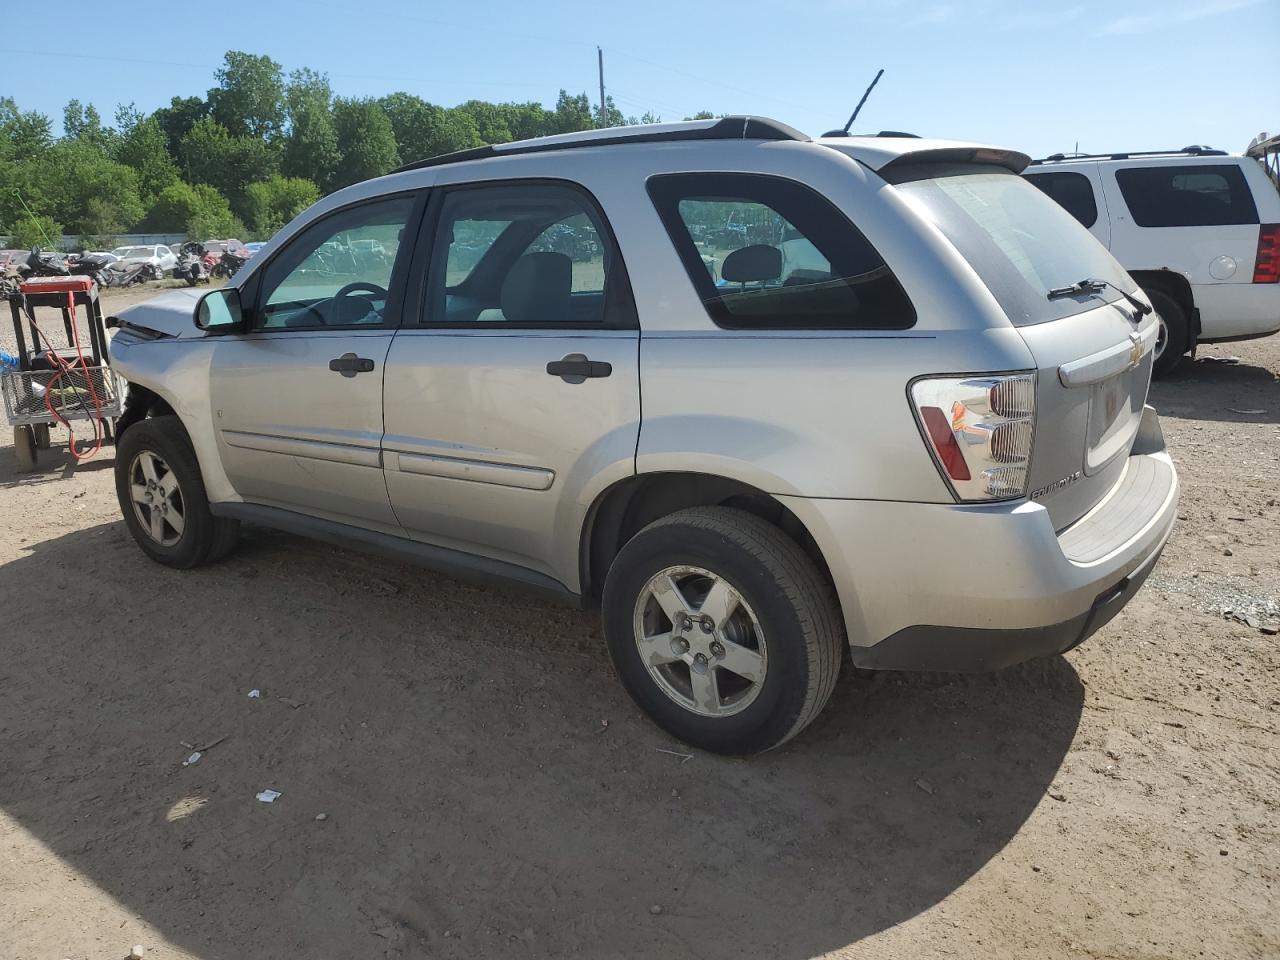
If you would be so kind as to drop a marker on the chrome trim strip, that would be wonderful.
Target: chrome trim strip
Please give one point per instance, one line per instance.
(309, 449)
(477, 471)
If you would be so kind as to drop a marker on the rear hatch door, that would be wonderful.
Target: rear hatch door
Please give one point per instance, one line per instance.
(1092, 350)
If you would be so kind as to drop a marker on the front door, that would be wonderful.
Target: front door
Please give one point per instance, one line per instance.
(516, 398)
(297, 400)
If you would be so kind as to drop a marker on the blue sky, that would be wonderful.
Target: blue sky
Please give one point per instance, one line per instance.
(1036, 76)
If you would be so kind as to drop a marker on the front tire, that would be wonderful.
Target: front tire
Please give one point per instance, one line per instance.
(162, 496)
(722, 630)
(1175, 331)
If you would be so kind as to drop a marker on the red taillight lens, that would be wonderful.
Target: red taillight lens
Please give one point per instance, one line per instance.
(944, 441)
(1266, 268)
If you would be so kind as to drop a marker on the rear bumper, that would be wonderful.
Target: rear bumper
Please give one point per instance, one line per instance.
(1237, 311)
(972, 588)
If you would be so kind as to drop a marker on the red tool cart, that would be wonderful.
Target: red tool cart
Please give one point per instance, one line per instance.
(57, 384)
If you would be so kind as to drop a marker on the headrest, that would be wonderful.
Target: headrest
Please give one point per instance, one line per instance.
(537, 288)
(753, 264)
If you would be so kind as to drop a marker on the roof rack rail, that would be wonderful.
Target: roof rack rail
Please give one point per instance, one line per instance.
(1195, 150)
(726, 128)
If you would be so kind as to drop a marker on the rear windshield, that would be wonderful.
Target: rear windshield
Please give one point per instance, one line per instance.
(1190, 195)
(1019, 241)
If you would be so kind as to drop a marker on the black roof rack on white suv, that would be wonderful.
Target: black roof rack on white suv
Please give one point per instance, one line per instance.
(726, 128)
(1195, 150)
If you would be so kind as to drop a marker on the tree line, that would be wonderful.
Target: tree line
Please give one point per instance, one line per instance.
(243, 160)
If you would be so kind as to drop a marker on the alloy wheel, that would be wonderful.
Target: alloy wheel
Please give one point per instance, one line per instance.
(157, 498)
(700, 641)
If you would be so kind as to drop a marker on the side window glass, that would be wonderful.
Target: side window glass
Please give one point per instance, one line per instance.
(768, 252)
(1072, 191)
(1187, 196)
(338, 271)
(530, 255)
(577, 239)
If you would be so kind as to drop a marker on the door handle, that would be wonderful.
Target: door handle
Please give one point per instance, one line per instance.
(576, 368)
(349, 365)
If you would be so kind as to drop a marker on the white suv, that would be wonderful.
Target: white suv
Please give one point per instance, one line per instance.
(1198, 229)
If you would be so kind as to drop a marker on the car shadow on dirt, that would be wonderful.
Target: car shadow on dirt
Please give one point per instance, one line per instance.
(1209, 389)
(486, 785)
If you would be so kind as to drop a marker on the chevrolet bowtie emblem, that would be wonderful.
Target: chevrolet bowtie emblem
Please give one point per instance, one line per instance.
(1135, 350)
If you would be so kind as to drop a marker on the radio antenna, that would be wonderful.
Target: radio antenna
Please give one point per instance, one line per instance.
(858, 108)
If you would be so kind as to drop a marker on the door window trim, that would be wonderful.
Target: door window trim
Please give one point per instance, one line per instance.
(397, 301)
(430, 257)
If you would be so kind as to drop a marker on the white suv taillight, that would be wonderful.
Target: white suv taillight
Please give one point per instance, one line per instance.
(980, 429)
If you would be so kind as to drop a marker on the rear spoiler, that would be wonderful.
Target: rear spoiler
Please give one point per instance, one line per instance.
(993, 156)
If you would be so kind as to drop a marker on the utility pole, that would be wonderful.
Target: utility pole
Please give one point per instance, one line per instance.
(600, 64)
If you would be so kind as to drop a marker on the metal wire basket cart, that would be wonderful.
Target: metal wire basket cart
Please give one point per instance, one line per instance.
(41, 393)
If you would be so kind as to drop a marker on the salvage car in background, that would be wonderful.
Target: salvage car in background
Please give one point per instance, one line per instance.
(157, 257)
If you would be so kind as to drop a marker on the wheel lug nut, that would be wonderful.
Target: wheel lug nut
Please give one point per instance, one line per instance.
(707, 624)
(717, 649)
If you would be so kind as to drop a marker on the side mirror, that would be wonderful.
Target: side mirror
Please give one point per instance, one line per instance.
(219, 311)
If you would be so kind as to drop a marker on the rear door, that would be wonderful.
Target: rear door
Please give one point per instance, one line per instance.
(1093, 351)
(297, 400)
(515, 398)
(1199, 219)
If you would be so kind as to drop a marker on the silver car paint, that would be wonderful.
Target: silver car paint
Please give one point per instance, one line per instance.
(821, 421)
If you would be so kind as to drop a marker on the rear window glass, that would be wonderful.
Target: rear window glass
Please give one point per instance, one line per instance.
(766, 252)
(1199, 195)
(1074, 194)
(1019, 242)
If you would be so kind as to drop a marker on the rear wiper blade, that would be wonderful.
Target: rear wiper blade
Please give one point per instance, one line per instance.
(1093, 285)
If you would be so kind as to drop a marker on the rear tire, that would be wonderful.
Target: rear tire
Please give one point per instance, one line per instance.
(162, 496)
(1175, 333)
(759, 643)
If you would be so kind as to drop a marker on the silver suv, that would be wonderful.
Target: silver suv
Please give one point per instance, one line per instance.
(773, 403)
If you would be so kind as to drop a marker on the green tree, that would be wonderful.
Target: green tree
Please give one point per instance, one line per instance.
(22, 135)
(249, 97)
(177, 119)
(86, 191)
(527, 120)
(29, 232)
(490, 120)
(140, 145)
(82, 122)
(195, 209)
(272, 203)
(573, 113)
(702, 115)
(210, 154)
(311, 146)
(425, 130)
(366, 141)
(612, 116)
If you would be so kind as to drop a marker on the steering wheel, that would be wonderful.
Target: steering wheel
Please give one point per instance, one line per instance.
(363, 285)
(358, 286)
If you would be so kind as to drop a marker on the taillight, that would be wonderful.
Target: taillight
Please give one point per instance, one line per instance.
(1266, 268)
(980, 430)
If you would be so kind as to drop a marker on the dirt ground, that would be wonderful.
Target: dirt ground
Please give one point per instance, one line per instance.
(489, 790)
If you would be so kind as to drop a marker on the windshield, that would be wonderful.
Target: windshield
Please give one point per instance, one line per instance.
(1021, 243)
(125, 253)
